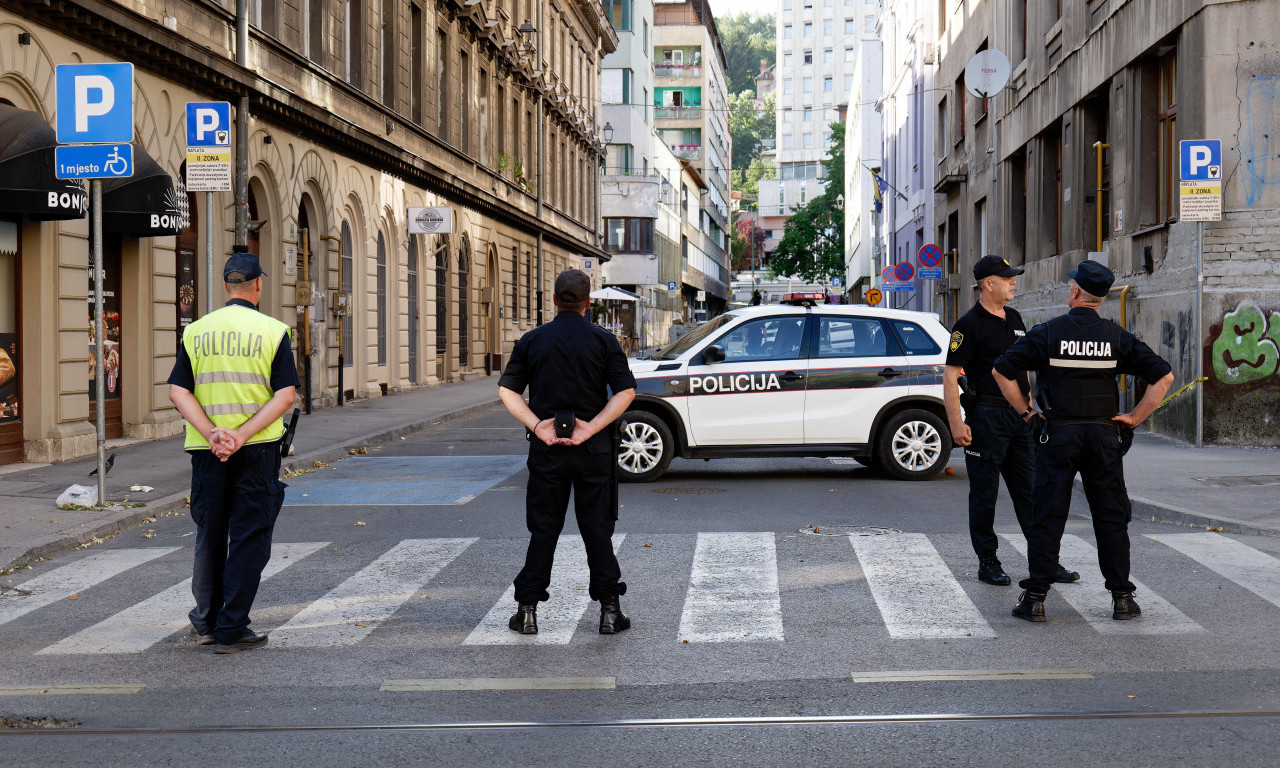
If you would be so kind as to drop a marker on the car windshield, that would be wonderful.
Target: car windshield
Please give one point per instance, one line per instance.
(687, 341)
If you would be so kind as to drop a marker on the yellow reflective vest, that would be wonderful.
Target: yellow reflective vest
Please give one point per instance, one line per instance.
(231, 351)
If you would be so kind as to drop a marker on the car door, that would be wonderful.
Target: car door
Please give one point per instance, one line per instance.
(756, 394)
(856, 367)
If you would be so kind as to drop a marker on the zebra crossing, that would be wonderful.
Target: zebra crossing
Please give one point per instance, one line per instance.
(728, 574)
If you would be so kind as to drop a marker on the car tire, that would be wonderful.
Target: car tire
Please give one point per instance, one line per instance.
(913, 445)
(646, 448)
(867, 461)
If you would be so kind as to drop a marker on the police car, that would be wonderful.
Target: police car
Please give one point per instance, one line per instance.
(797, 379)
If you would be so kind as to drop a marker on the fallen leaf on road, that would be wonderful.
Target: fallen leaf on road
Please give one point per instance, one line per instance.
(359, 522)
(150, 534)
(686, 642)
(73, 597)
(1133, 697)
(358, 451)
(650, 544)
(148, 520)
(359, 623)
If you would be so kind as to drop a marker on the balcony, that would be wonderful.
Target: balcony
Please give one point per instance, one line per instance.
(678, 113)
(690, 71)
(687, 151)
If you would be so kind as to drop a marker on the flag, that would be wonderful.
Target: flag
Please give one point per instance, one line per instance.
(880, 186)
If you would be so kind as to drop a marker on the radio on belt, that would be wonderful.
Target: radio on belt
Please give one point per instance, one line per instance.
(805, 298)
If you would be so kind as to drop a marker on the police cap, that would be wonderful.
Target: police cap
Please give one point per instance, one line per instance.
(1093, 278)
(994, 265)
(242, 267)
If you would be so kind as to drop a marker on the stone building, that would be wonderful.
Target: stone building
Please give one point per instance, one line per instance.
(358, 110)
(1126, 81)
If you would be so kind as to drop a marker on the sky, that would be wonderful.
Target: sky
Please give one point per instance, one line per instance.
(720, 8)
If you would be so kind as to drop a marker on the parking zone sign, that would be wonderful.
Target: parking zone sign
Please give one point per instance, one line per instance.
(1200, 190)
(95, 103)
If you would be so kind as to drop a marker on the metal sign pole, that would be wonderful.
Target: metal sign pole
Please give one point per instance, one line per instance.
(99, 336)
(208, 252)
(1199, 367)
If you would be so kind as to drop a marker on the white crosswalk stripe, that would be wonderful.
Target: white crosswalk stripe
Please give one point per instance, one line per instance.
(916, 592)
(144, 624)
(73, 578)
(358, 605)
(1092, 601)
(1256, 571)
(558, 617)
(733, 575)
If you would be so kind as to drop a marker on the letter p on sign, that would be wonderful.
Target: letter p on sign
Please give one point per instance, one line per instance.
(105, 98)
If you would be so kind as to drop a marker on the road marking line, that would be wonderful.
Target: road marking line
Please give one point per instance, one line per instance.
(918, 595)
(74, 578)
(141, 626)
(503, 684)
(1092, 601)
(1256, 571)
(558, 617)
(942, 675)
(70, 690)
(372, 595)
(733, 592)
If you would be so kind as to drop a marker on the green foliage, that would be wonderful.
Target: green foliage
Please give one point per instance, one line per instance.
(746, 39)
(812, 245)
(748, 182)
(748, 126)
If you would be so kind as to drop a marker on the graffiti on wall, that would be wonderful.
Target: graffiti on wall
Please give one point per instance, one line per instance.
(1246, 349)
(1262, 110)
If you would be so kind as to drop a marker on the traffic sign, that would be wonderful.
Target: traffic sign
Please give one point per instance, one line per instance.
(837, 281)
(873, 297)
(208, 169)
(208, 124)
(888, 274)
(1201, 159)
(93, 161)
(1200, 200)
(671, 285)
(929, 273)
(898, 287)
(95, 103)
(904, 270)
(930, 255)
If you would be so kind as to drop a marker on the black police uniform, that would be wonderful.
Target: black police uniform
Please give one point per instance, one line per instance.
(234, 505)
(1002, 443)
(1078, 356)
(569, 364)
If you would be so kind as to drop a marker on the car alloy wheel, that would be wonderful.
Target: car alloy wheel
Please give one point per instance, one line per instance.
(644, 452)
(914, 445)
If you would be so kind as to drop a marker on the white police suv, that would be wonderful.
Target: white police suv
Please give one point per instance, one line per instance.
(797, 379)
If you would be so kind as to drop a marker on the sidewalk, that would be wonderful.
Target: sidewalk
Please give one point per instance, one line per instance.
(34, 527)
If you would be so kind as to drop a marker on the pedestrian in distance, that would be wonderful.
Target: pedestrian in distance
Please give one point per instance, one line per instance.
(233, 381)
(579, 385)
(1078, 356)
(996, 442)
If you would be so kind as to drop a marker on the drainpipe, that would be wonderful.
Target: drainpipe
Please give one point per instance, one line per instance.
(1099, 147)
(242, 128)
(1123, 290)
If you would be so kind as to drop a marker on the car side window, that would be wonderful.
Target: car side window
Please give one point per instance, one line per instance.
(853, 337)
(767, 338)
(915, 340)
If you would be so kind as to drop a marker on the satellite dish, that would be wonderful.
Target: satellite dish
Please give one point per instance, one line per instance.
(987, 73)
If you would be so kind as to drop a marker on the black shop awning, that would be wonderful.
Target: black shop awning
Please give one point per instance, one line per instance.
(144, 204)
(27, 181)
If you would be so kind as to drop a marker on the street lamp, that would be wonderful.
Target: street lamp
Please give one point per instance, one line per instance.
(840, 202)
(608, 133)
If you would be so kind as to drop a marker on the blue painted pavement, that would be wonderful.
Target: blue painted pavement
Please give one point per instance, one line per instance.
(401, 480)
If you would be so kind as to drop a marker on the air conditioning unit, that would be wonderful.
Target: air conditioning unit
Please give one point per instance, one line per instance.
(930, 53)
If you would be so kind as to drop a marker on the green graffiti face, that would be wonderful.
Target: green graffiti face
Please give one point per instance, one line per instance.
(1246, 350)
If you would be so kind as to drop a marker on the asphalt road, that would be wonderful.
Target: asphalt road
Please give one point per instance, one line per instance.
(800, 611)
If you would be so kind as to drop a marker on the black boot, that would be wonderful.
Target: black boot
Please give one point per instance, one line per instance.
(612, 619)
(1066, 577)
(526, 619)
(1123, 606)
(989, 570)
(1030, 606)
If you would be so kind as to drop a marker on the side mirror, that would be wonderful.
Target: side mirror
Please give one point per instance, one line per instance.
(713, 354)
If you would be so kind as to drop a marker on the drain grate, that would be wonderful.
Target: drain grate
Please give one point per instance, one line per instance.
(687, 491)
(1238, 481)
(848, 530)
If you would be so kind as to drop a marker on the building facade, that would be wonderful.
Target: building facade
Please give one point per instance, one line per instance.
(862, 152)
(357, 111)
(1079, 155)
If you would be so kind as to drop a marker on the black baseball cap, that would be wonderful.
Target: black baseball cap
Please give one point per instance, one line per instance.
(573, 287)
(994, 265)
(1093, 278)
(242, 267)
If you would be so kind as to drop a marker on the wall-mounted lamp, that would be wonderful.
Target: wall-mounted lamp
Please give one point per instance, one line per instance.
(840, 202)
(608, 132)
(527, 31)
(24, 38)
(666, 188)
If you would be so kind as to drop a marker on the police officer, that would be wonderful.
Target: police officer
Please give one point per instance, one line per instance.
(1078, 356)
(233, 380)
(996, 442)
(570, 366)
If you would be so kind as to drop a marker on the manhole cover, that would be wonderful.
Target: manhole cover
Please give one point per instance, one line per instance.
(687, 491)
(1239, 481)
(848, 530)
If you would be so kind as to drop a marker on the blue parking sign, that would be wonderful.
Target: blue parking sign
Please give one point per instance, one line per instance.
(1201, 159)
(95, 103)
(208, 124)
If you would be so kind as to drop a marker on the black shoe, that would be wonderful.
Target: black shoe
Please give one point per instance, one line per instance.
(526, 619)
(248, 641)
(989, 570)
(1066, 577)
(1030, 606)
(1123, 606)
(612, 619)
(198, 638)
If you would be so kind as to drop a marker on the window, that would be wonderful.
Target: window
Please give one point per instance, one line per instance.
(848, 53)
(620, 14)
(615, 87)
(464, 305)
(828, 3)
(848, 83)
(442, 85)
(390, 45)
(943, 144)
(854, 337)
(464, 101)
(528, 286)
(1167, 127)
(786, 31)
(769, 338)
(314, 40)
(808, 141)
(786, 5)
(914, 339)
(786, 59)
(265, 16)
(382, 300)
(629, 235)
(961, 98)
(442, 294)
(808, 85)
(346, 260)
(786, 86)
(808, 57)
(848, 26)
(827, 27)
(804, 189)
(644, 40)
(827, 85)
(353, 30)
(808, 29)
(828, 56)
(869, 25)
(416, 55)
(808, 114)
(786, 141)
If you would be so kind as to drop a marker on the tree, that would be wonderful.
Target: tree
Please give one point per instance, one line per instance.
(812, 245)
(745, 39)
(748, 243)
(748, 182)
(748, 127)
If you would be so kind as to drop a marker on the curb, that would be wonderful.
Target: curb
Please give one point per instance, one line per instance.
(1151, 511)
(135, 515)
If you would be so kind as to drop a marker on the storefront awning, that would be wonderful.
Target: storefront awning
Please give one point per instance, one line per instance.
(143, 205)
(27, 181)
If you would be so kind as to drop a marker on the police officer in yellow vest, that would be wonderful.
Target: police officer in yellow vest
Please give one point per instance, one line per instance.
(233, 381)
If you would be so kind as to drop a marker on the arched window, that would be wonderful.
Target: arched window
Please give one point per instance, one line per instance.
(347, 261)
(464, 307)
(442, 294)
(412, 287)
(382, 300)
